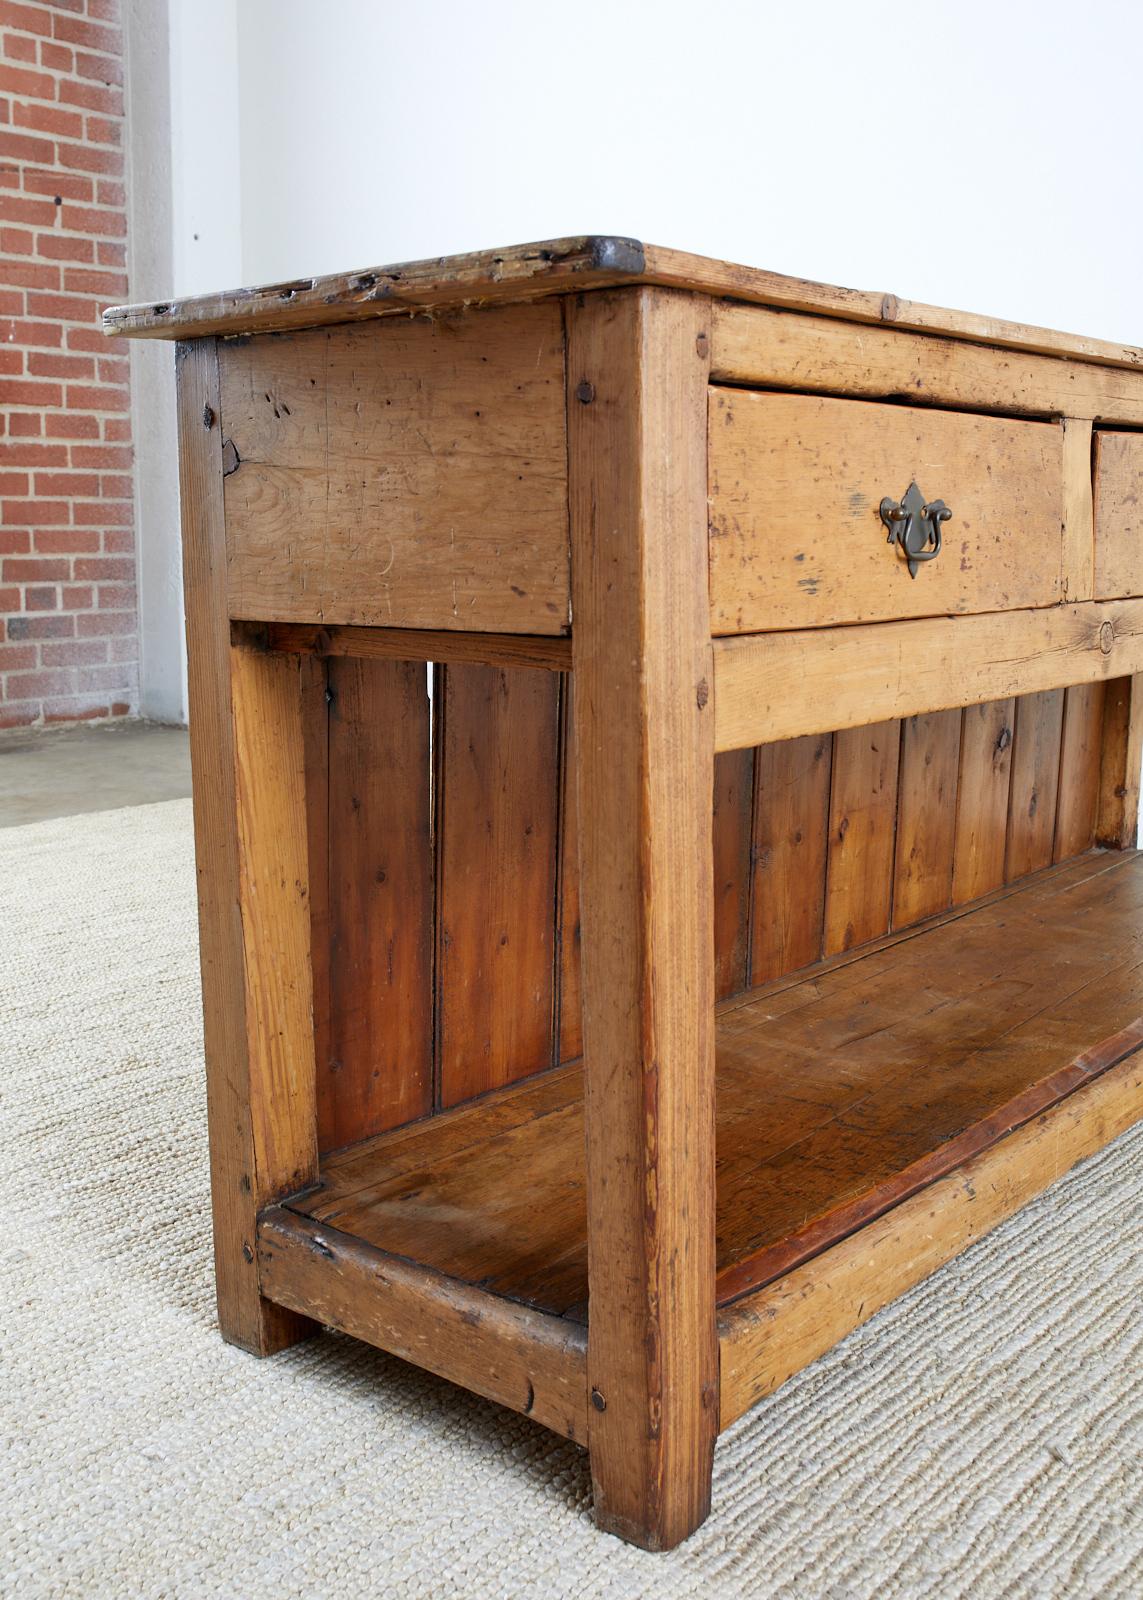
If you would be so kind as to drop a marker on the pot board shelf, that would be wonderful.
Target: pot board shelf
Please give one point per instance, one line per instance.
(842, 1092)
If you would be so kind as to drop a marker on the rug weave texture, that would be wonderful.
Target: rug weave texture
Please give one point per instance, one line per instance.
(982, 1437)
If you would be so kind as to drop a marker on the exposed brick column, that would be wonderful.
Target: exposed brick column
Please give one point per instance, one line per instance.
(68, 617)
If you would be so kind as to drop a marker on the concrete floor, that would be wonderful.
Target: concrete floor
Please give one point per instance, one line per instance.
(60, 772)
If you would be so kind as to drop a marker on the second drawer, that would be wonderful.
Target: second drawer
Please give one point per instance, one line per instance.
(797, 539)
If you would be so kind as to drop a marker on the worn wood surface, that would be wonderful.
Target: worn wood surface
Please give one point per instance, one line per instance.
(416, 644)
(273, 899)
(791, 839)
(983, 785)
(497, 811)
(520, 1358)
(243, 1175)
(789, 886)
(862, 821)
(776, 686)
(994, 1002)
(1079, 512)
(568, 266)
(1035, 782)
(637, 375)
(313, 677)
(767, 1337)
(379, 1068)
(1081, 754)
(412, 474)
(926, 816)
(796, 538)
(1117, 815)
(1118, 514)
(569, 976)
(815, 353)
(732, 834)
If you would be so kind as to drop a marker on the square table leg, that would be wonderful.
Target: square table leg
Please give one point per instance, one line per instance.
(637, 382)
(250, 844)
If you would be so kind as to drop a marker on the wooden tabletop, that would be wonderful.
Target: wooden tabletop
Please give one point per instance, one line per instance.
(560, 266)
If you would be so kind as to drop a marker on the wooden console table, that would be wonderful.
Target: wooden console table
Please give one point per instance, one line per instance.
(851, 588)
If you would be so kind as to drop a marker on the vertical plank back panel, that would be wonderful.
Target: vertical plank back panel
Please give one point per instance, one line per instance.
(314, 684)
(982, 799)
(1080, 753)
(497, 810)
(791, 825)
(569, 1038)
(733, 811)
(926, 816)
(863, 810)
(819, 843)
(1035, 782)
(377, 1071)
(1118, 816)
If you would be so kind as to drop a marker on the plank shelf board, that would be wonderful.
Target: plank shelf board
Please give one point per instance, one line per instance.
(839, 1096)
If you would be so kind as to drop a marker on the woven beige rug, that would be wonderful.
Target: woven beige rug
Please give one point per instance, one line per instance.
(982, 1438)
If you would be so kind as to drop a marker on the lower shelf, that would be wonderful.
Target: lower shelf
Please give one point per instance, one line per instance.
(852, 1100)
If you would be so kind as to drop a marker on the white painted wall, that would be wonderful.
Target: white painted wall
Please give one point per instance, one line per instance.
(185, 236)
(971, 154)
(980, 155)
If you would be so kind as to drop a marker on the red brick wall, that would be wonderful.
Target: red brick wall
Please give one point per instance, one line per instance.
(68, 623)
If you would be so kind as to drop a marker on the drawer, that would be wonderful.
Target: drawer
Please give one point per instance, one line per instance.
(796, 536)
(1118, 515)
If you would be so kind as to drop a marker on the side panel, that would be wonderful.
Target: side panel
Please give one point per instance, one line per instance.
(407, 474)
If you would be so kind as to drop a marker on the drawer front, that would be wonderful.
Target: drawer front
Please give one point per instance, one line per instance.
(406, 473)
(796, 536)
(1118, 515)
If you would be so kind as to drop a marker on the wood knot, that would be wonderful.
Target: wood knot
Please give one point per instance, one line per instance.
(1106, 638)
(702, 694)
(208, 416)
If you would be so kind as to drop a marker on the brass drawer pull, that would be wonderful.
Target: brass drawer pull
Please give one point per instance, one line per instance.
(915, 524)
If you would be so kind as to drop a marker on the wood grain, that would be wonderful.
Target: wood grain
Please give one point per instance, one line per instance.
(1117, 817)
(791, 832)
(775, 686)
(1118, 514)
(765, 1338)
(637, 374)
(1080, 760)
(797, 540)
(570, 266)
(411, 474)
(379, 1069)
(1079, 515)
(877, 1074)
(926, 816)
(273, 897)
(569, 1038)
(815, 353)
(1035, 782)
(496, 822)
(243, 1176)
(418, 644)
(863, 812)
(982, 799)
(313, 679)
(520, 1358)
(732, 832)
